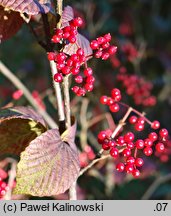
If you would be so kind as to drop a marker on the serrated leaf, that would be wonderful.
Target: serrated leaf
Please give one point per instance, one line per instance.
(18, 127)
(31, 7)
(82, 43)
(48, 166)
(10, 23)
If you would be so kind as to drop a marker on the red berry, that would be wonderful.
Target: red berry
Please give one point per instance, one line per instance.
(98, 54)
(72, 39)
(140, 120)
(105, 146)
(88, 72)
(69, 62)
(88, 87)
(118, 98)
(59, 32)
(115, 92)
(129, 168)
(139, 162)
(114, 152)
(66, 70)
(79, 79)
(101, 40)
(148, 151)
(103, 99)
(66, 35)
(105, 56)
(80, 52)
(112, 143)
(110, 101)
(163, 133)
(120, 140)
(133, 119)
(126, 152)
(74, 57)
(78, 22)
(153, 136)
(139, 144)
(55, 39)
(129, 137)
(90, 79)
(136, 173)
(148, 142)
(51, 56)
(101, 136)
(130, 160)
(105, 46)
(75, 89)
(75, 71)
(155, 125)
(120, 167)
(160, 147)
(58, 77)
(60, 58)
(139, 127)
(130, 145)
(94, 45)
(114, 107)
(108, 37)
(81, 92)
(112, 50)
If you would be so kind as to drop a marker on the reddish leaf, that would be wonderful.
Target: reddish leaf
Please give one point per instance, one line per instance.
(10, 23)
(67, 15)
(49, 165)
(31, 7)
(18, 127)
(81, 42)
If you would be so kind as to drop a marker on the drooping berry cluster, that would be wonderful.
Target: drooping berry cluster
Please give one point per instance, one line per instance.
(137, 87)
(112, 101)
(68, 33)
(102, 47)
(86, 156)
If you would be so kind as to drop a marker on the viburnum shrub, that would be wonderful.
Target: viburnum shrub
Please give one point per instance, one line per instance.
(50, 160)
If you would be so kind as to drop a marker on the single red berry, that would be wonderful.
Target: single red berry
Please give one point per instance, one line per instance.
(101, 40)
(126, 152)
(114, 152)
(72, 39)
(101, 136)
(79, 79)
(120, 167)
(139, 162)
(69, 63)
(139, 127)
(136, 173)
(105, 46)
(66, 29)
(118, 98)
(112, 143)
(78, 22)
(80, 52)
(81, 92)
(98, 54)
(74, 57)
(114, 107)
(105, 56)
(58, 77)
(129, 168)
(130, 160)
(105, 146)
(55, 39)
(51, 56)
(140, 120)
(129, 137)
(75, 89)
(75, 71)
(89, 87)
(112, 50)
(163, 133)
(107, 37)
(90, 79)
(66, 35)
(59, 32)
(133, 119)
(66, 70)
(139, 144)
(148, 151)
(130, 145)
(120, 140)
(60, 66)
(160, 147)
(94, 44)
(103, 99)
(153, 136)
(155, 125)
(115, 92)
(148, 142)
(88, 72)
(110, 101)
(60, 58)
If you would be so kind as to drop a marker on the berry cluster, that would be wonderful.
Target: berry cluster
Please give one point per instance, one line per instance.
(3, 186)
(137, 87)
(68, 33)
(112, 101)
(102, 47)
(164, 155)
(86, 156)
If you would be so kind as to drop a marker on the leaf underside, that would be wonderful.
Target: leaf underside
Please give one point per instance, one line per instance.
(48, 166)
(18, 127)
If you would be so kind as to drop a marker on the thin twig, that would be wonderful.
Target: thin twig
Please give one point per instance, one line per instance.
(18, 84)
(67, 101)
(160, 180)
(57, 87)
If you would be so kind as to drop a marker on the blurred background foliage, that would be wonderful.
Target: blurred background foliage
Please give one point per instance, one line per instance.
(144, 24)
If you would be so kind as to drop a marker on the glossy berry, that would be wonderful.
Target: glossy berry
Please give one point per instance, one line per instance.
(94, 45)
(139, 162)
(115, 92)
(163, 133)
(114, 108)
(51, 56)
(129, 168)
(139, 144)
(155, 125)
(136, 173)
(112, 143)
(101, 136)
(148, 151)
(126, 152)
(79, 79)
(153, 136)
(133, 119)
(130, 160)
(160, 147)
(103, 99)
(112, 50)
(148, 142)
(77, 22)
(88, 72)
(120, 140)
(105, 146)
(129, 137)
(139, 127)
(120, 167)
(58, 77)
(114, 152)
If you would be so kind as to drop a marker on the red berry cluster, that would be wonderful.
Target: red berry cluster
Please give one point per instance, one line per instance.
(68, 33)
(3, 186)
(102, 47)
(86, 156)
(137, 87)
(112, 101)
(164, 155)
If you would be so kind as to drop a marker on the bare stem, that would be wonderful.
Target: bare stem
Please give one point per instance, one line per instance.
(57, 87)
(9, 75)
(59, 11)
(67, 101)
(122, 122)
(160, 180)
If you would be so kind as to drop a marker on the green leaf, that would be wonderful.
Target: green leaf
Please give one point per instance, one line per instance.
(18, 127)
(49, 165)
